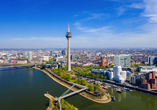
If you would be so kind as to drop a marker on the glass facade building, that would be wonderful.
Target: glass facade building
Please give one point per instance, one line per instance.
(122, 60)
(51, 53)
(63, 52)
(151, 60)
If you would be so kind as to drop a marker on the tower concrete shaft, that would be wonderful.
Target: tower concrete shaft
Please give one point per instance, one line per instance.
(68, 36)
(69, 61)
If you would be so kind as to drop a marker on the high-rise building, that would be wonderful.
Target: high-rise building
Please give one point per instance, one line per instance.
(68, 36)
(51, 52)
(152, 60)
(103, 64)
(29, 56)
(63, 52)
(122, 60)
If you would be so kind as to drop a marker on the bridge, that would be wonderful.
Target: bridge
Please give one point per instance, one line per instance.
(64, 95)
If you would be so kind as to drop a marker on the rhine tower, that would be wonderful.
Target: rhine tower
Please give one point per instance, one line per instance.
(68, 36)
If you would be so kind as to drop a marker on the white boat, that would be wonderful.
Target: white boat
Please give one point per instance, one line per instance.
(113, 85)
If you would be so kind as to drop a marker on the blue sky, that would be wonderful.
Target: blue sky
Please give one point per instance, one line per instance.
(93, 23)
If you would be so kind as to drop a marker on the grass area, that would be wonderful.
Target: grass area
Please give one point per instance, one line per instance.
(73, 81)
(136, 65)
(65, 106)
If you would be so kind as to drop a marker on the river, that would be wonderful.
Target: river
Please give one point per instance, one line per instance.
(23, 89)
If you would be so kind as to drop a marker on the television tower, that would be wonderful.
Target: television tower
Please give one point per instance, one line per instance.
(68, 36)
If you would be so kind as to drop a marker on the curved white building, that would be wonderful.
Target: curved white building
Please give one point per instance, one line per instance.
(111, 76)
(118, 75)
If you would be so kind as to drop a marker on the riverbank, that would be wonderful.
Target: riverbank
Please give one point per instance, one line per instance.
(84, 94)
(12, 67)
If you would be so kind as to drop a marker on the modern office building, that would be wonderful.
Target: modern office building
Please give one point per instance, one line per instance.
(61, 58)
(73, 57)
(68, 36)
(152, 60)
(146, 68)
(104, 72)
(63, 52)
(29, 56)
(122, 60)
(51, 52)
(46, 58)
(118, 75)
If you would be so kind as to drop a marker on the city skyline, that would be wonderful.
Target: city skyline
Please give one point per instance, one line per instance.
(101, 24)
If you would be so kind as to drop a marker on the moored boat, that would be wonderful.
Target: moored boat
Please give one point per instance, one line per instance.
(113, 98)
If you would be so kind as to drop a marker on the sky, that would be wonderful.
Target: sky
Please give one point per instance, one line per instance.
(93, 23)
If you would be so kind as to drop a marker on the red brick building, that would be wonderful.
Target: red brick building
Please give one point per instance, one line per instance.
(150, 82)
(103, 64)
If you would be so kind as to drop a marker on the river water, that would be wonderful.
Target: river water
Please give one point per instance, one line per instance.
(23, 89)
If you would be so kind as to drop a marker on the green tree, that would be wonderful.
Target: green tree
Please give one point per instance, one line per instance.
(74, 78)
(105, 77)
(68, 77)
(56, 108)
(42, 65)
(102, 76)
(79, 81)
(97, 87)
(91, 88)
(83, 82)
(103, 93)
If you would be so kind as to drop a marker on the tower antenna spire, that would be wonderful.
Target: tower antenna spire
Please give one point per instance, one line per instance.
(68, 28)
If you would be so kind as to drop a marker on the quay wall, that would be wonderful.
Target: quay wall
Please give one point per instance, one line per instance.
(65, 81)
(77, 87)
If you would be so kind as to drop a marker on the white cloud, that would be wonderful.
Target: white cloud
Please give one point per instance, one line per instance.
(105, 37)
(39, 38)
(121, 10)
(96, 16)
(92, 30)
(150, 10)
(137, 5)
(34, 42)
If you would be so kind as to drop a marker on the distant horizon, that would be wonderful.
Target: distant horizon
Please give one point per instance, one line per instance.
(142, 48)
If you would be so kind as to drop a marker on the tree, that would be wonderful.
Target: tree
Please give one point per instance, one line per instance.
(74, 78)
(103, 93)
(97, 87)
(42, 65)
(60, 69)
(83, 82)
(56, 108)
(79, 81)
(68, 77)
(102, 76)
(91, 88)
(105, 77)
